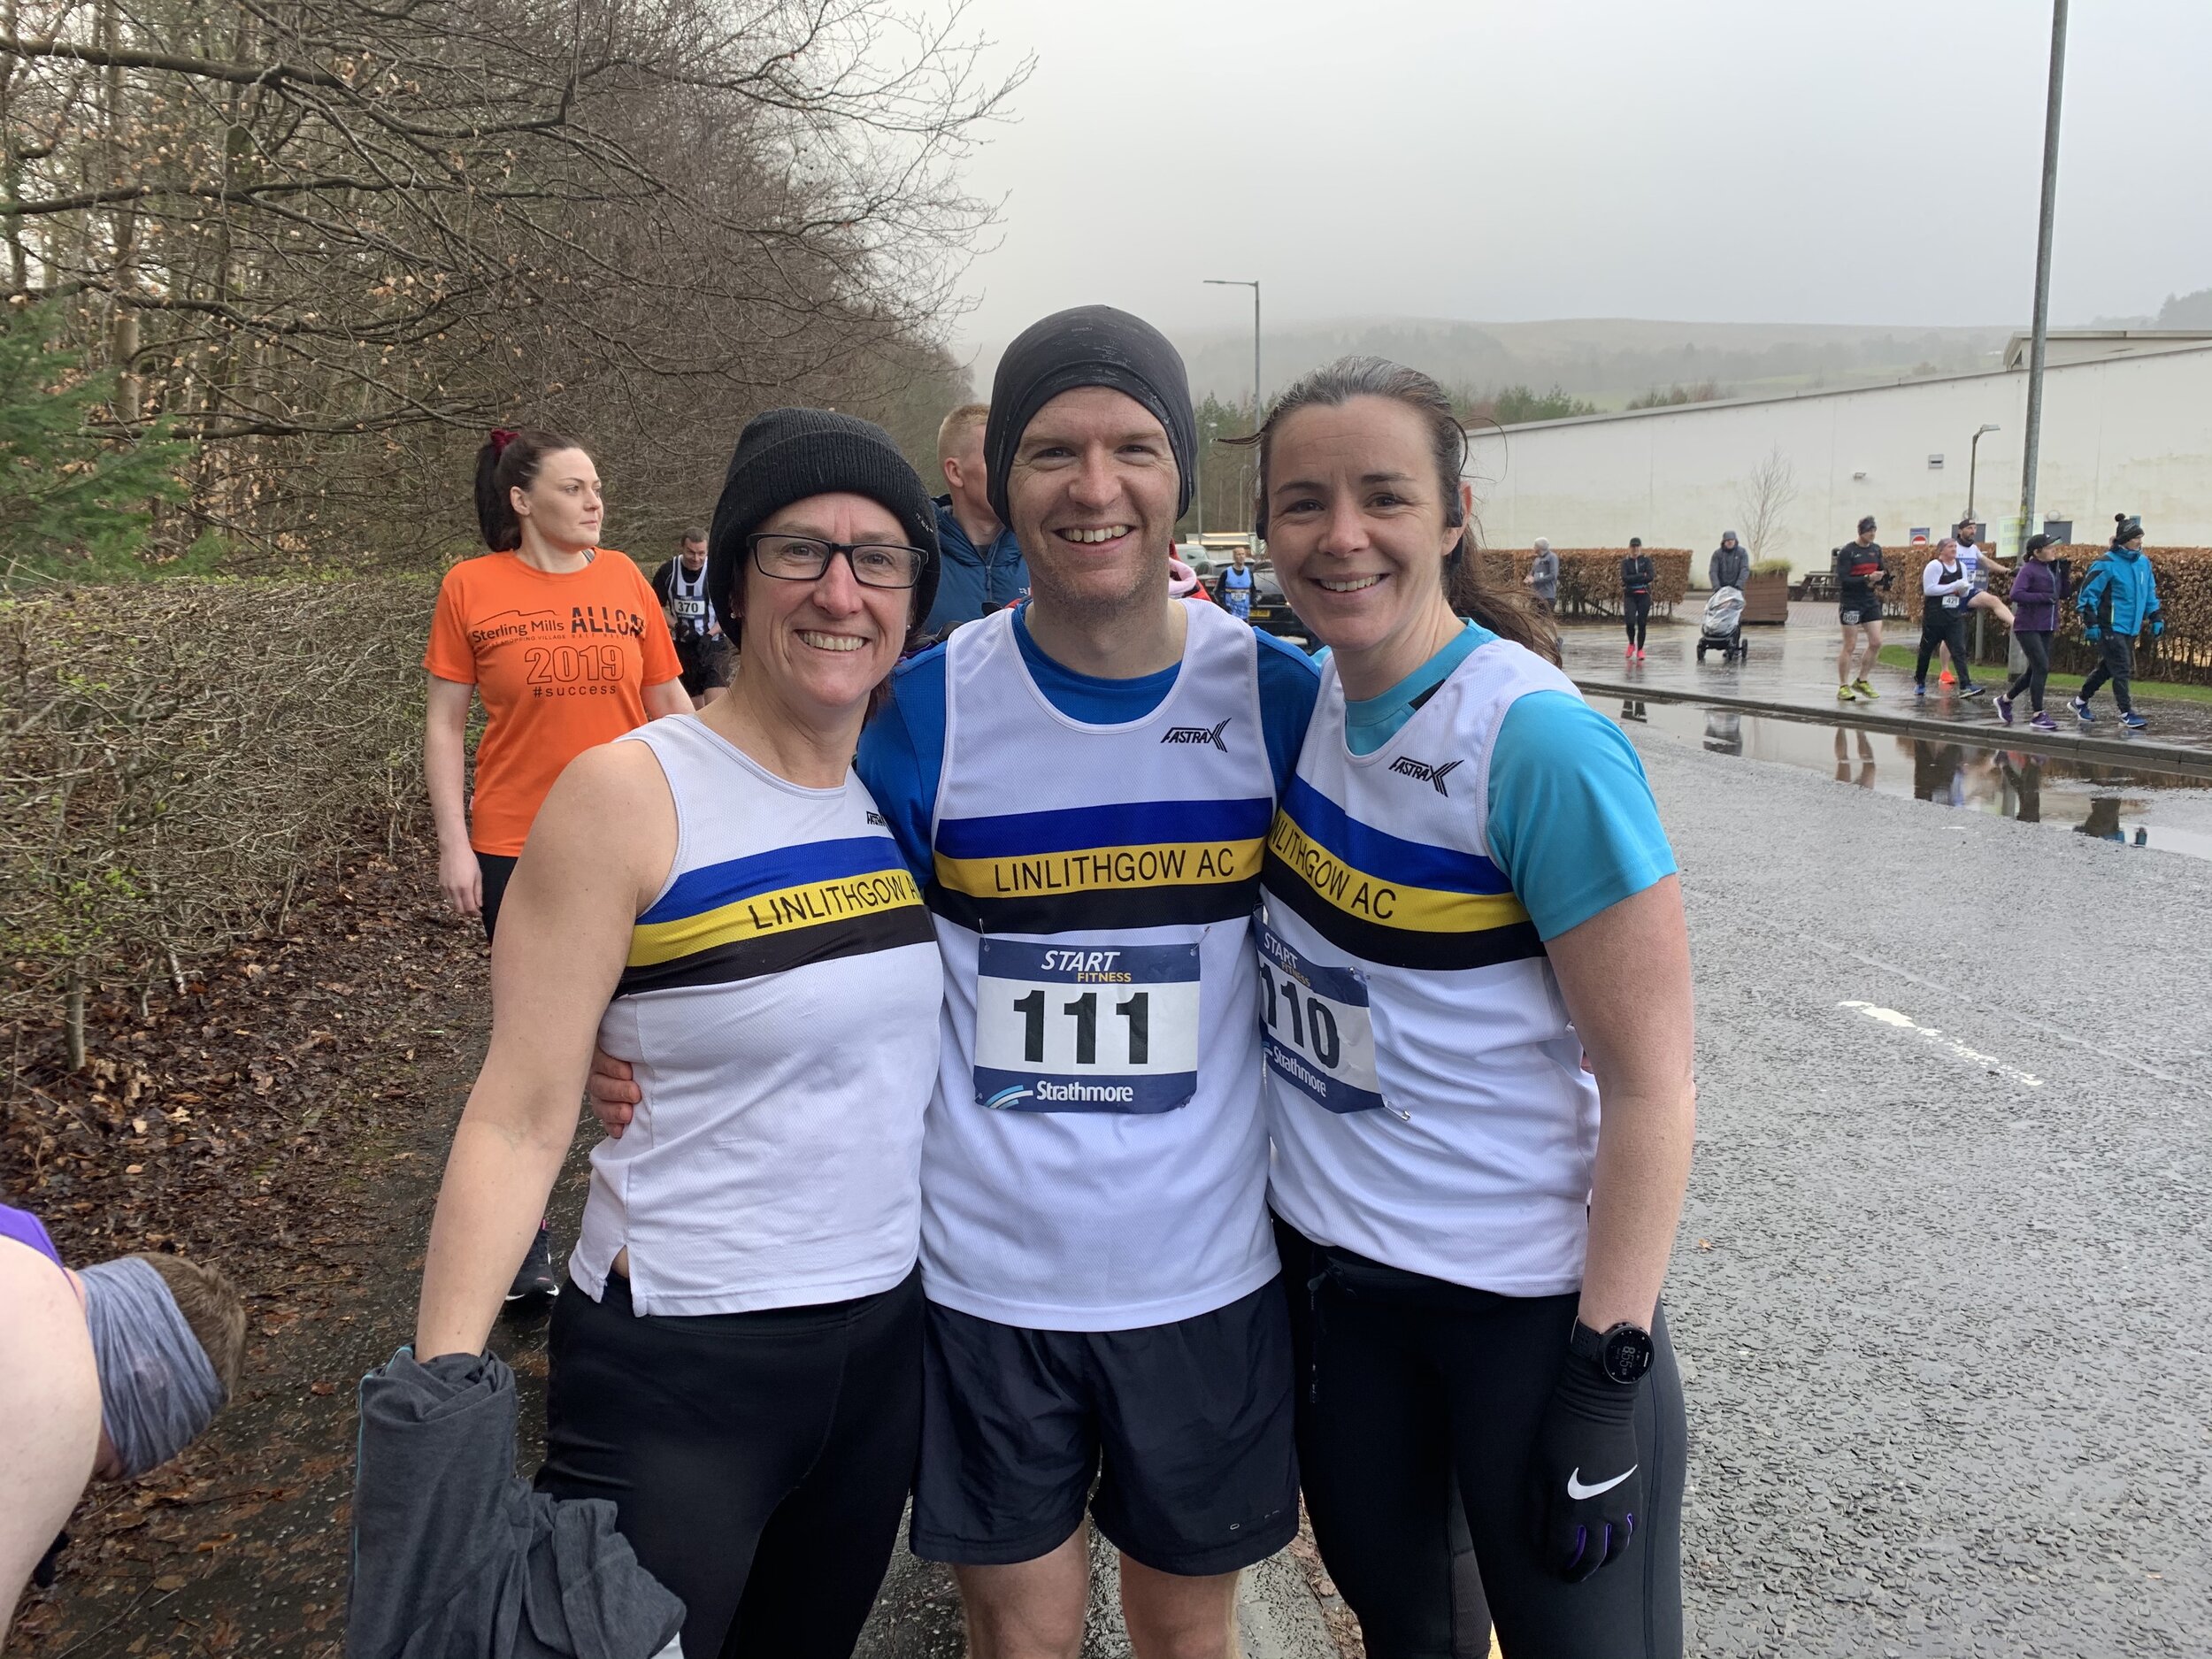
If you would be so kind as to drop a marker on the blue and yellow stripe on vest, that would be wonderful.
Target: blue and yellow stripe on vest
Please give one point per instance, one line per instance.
(745, 917)
(1394, 902)
(1139, 864)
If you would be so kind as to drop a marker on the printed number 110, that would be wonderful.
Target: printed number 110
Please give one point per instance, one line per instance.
(1325, 1044)
(1083, 1009)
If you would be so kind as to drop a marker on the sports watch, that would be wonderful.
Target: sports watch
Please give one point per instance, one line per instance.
(1622, 1354)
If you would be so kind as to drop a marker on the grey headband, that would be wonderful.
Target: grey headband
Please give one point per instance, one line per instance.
(159, 1390)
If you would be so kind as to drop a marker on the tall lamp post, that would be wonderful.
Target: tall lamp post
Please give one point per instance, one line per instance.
(2031, 442)
(1233, 282)
(1973, 456)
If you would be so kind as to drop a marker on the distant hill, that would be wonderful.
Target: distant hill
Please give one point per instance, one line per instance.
(1608, 360)
(2186, 311)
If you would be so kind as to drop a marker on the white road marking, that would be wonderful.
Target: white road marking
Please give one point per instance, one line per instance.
(1930, 1033)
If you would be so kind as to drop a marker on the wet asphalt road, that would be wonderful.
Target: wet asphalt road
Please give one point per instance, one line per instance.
(1946, 1324)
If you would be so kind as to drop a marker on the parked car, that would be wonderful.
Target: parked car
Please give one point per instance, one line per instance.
(1270, 612)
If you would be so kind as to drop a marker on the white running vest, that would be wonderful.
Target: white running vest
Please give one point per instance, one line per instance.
(780, 1005)
(1096, 1158)
(1425, 1090)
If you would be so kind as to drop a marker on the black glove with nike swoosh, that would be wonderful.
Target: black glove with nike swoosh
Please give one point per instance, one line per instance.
(1586, 1477)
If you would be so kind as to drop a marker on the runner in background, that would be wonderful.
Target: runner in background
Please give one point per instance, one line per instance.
(1976, 563)
(1235, 584)
(1637, 575)
(565, 642)
(2035, 597)
(2117, 603)
(982, 561)
(1943, 588)
(1861, 580)
(694, 621)
(1479, 1091)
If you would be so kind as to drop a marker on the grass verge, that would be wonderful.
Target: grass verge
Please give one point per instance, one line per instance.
(1902, 657)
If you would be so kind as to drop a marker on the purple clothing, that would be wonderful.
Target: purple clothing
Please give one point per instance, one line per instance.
(2034, 598)
(26, 1228)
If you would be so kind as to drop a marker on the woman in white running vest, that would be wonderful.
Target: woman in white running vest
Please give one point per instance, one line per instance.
(1476, 1001)
(717, 901)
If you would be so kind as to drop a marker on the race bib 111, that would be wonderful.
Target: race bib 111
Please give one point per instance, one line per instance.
(1085, 1028)
(1316, 1027)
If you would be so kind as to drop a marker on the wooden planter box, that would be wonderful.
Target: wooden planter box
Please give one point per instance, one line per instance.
(1767, 598)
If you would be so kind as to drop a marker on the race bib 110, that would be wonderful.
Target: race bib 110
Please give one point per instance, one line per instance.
(1085, 1028)
(1316, 1027)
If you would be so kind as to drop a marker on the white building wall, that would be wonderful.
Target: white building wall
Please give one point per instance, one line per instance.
(2131, 435)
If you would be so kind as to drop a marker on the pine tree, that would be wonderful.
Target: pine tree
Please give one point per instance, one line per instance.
(73, 503)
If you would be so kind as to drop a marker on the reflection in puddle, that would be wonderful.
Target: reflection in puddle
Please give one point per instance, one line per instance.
(2118, 804)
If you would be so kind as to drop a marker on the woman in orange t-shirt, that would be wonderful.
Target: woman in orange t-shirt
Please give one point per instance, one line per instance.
(561, 638)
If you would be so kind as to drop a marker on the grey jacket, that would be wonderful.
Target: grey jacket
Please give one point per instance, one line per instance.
(455, 1557)
(1730, 567)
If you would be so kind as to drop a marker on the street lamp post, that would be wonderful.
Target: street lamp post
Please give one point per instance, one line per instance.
(1233, 282)
(2032, 440)
(1973, 457)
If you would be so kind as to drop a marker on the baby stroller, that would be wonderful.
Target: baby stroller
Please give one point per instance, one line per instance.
(1722, 628)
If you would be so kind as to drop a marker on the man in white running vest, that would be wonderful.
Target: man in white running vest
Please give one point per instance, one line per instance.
(1084, 786)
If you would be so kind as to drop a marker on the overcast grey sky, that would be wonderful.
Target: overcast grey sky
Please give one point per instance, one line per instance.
(1710, 160)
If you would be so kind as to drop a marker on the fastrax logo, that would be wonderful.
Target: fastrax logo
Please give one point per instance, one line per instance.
(1423, 772)
(1198, 734)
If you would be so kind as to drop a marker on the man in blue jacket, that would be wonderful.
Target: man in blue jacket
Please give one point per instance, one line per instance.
(2117, 603)
(982, 569)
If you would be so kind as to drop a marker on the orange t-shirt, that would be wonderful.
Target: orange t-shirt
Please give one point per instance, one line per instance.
(562, 663)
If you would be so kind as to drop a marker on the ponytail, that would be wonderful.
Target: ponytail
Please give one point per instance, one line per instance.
(1508, 610)
(509, 461)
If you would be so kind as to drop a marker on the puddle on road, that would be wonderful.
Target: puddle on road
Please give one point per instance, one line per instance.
(2115, 803)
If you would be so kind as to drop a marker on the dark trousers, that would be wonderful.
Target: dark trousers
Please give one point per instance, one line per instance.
(1412, 1393)
(498, 869)
(2036, 648)
(758, 1461)
(1635, 612)
(1940, 626)
(2117, 665)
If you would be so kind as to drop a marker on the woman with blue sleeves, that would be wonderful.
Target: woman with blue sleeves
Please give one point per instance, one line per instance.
(1477, 1018)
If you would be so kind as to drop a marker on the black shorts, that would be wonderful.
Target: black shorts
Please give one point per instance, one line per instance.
(705, 665)
(497, 869)
(1853, 617)
(1186, 1429)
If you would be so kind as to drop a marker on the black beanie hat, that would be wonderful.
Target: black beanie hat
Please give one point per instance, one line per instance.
(786, 454)
(2125, 528)
(1091, 345)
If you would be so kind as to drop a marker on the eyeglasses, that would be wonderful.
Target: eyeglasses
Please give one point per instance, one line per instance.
(805, 559)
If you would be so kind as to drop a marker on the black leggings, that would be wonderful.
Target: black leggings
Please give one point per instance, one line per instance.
(1635, 612)
(758, 1463)
(1938, 626)
(2036, 648)
(1408, 1385)
(498, 869)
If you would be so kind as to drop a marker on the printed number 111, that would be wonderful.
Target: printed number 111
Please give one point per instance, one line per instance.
(1083, 1009)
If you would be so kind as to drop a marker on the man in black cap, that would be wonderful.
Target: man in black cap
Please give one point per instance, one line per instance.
(1861, 579)
(1083, 785)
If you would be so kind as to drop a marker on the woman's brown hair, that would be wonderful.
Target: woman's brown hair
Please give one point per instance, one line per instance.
(510, 460)
(1505, 610)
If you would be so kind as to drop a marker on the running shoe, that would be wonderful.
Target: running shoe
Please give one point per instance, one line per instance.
(535, 1280)
(1844, 694)
(2133, 721)
(1640, 653)
(2081, 711)
(1628, 656)
(1919, 688)
(1946, 679)
(1972, 691)
(1864, 690)
(2044, 723)
(2004, 708)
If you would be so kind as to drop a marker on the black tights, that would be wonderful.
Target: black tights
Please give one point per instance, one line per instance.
(1635, 612)
(1409, 1386)
(758, 1463)
(1938, 626)
(2036, 648)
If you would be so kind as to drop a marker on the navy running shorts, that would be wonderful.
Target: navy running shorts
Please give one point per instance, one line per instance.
(1185, 1430)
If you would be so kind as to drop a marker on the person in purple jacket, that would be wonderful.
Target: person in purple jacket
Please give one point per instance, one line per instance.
(2035, 597)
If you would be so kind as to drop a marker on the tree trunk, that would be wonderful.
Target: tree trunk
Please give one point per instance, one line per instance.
(72, 1021)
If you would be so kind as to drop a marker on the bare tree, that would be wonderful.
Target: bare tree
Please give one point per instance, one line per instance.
(1764, 501)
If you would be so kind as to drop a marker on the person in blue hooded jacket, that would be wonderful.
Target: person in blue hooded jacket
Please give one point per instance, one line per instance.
(982, 567)
(2117, 603)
